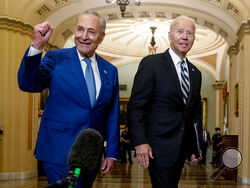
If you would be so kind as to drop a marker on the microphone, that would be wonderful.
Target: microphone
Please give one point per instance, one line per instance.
(85, 151)
(82, 158)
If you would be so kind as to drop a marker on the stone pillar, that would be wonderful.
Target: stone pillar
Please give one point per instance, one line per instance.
(218, 86)
(19, 111)
(239, 83)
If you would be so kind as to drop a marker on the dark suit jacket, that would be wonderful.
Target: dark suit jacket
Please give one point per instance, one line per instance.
(157, 114)
(208, 142)
(68, 109)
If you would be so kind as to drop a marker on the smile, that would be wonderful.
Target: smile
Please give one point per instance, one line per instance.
(183, 44)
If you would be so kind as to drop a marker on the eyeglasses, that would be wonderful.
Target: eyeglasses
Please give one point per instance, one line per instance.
(182, 31)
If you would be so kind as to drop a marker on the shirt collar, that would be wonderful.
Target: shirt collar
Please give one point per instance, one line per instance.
(176, 59)
(93, 58)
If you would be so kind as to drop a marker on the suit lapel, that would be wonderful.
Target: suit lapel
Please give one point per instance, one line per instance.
(103, 73)
(171, 70)
(76, 69)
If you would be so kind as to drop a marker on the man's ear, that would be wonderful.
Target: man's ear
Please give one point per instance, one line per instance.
(169, 36)
(102, 37)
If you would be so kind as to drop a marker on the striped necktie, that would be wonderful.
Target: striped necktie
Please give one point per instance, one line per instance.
(185, 84)
(90, 81)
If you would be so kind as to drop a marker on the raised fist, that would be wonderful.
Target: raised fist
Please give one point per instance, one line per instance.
(42, 34)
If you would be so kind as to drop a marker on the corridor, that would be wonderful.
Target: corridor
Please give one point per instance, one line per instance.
(133, 176)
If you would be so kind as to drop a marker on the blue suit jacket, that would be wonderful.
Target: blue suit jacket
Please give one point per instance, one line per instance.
(68, 109)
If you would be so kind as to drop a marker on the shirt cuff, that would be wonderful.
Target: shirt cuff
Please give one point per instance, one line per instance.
(33, 51)
(112, 158)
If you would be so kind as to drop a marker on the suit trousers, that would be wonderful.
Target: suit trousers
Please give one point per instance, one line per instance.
(168, 177)
(204, 152)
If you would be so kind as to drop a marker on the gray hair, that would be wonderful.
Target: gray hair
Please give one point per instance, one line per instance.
(184, 18)
(102, 19)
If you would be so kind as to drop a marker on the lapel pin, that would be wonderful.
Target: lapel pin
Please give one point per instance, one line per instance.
(105, 71)
(193, 70)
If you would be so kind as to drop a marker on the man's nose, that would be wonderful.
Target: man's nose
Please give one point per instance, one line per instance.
(185, 35)
(84, 35)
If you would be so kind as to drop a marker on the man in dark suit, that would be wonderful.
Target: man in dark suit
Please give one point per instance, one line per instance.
(125, 146)
(217, 147)
(206, 142)
(122, 116)
(161, 116)
(83, 93)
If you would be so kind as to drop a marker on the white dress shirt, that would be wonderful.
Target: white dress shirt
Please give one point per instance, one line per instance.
(177, 61)
(33, 51)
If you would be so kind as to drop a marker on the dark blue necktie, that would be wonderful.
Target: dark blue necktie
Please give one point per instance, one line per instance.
(185, 84)
(90, 81)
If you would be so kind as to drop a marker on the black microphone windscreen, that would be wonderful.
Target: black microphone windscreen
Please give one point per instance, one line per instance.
(85, 152)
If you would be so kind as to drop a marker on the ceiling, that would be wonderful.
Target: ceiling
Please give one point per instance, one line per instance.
(127, 39)
(131, 37)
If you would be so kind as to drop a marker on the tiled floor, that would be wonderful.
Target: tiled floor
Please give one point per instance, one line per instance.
(133, 176)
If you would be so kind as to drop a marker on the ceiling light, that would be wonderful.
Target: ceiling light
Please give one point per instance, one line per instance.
(123, 4)
(152, 49)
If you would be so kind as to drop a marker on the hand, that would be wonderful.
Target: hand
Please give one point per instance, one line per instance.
(42, 34)
(194, 159)
(107, 165)
(143, 152)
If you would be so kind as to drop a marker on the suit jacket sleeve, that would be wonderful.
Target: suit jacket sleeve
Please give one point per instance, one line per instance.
(34, 76)
(198, 118)
(138, 103)
(113, 129)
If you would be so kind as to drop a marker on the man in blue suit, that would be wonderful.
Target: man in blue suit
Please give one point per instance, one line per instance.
(74, 103)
